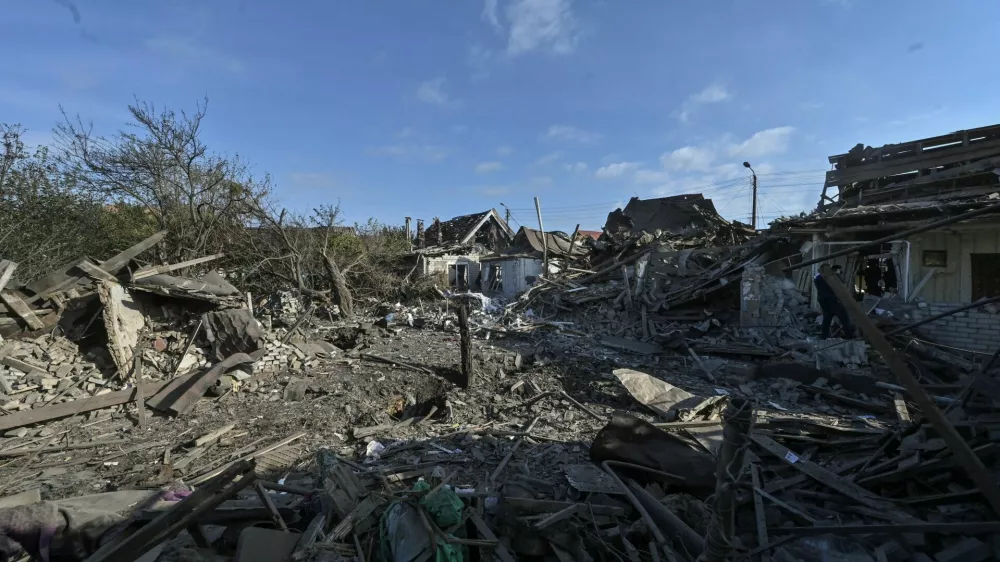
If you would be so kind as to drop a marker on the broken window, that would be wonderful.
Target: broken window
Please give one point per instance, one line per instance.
(496, 278)
(935, 258)
(985, 275)
(878, 276)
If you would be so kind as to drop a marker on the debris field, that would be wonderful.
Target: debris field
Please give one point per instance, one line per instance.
(661, 396)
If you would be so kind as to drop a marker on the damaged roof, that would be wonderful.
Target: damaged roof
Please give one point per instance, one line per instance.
(558, 243)
(673, 214)
(463, 229)
(914, 180)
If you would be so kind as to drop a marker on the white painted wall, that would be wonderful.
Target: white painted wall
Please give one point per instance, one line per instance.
(515, 272)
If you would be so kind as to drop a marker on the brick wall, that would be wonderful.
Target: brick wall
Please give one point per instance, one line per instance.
(975, 330)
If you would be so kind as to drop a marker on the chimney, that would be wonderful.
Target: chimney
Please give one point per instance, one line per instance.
(440, 235)
(420, 233)
(409, 240)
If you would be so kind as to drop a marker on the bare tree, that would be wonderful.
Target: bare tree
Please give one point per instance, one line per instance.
(200, 197)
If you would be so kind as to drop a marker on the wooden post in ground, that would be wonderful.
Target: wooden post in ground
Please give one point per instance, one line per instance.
(736, 419)
(463, 327)
(140, 397)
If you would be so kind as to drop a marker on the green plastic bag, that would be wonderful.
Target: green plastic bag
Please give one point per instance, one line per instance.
(445, 509)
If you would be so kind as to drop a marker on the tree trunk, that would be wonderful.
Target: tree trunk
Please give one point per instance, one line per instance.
(341, 293)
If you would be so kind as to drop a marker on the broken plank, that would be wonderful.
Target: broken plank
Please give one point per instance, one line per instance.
(16, 304)
(7, 268)
(501, 551)
(561, 515)
(265, 498)
(549, 506)
(968, 528)
(759, 515)
(635, 346)
(158, 270)
(67, 409)
(213, 435)
(96, 272)
(115, 263)
(358, 514)
(822, 475)
(963, 453)
(182, 394)
(185, 513)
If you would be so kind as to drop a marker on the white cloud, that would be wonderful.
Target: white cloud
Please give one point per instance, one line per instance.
(433, 92)
(191, 51)
(416, 151)
(715, 93)
(490, 13)
(651, 176)
(494, 190)
(763, 143)
(616, 170)
(712, 94)
(688, 158)
(488, 167)
(570, 133)
(550, 158)
(480, 59)
(535, 25)
(505, 150)
(577, 167)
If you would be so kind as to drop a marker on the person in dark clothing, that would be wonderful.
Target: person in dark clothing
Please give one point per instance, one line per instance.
(832, 306)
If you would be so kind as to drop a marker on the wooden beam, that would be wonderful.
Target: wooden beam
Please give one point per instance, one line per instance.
(916, 290)
(115, 263)
(7, 268)
(66, 409)
(151, 271)
(823, 476)
(96, 272)
(20, 308)
(963, 453)
(935, 159)
(970, 528)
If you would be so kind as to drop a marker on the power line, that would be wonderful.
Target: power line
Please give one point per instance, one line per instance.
(740, 192)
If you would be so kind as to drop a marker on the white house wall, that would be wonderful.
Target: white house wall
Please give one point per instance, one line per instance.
(953, 283)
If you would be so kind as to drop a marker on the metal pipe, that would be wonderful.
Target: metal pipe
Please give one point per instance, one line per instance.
(930, 226)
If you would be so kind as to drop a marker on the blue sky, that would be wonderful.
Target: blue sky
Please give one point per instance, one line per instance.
(443, 107)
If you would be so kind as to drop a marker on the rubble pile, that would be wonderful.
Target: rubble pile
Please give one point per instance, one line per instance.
(659, 396)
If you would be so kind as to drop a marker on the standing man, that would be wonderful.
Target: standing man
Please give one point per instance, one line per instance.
(831, 305)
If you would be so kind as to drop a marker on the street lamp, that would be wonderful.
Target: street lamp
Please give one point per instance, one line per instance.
(753, 212)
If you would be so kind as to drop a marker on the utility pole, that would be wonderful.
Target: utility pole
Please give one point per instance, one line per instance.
(545, 245)
(753, 201)
(506, 214)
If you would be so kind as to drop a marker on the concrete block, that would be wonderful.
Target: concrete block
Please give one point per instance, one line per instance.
(969, 549)
(257, 544)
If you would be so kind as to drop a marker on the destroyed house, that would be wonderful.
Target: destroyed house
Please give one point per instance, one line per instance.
(678, 214)
(514, 270)
(454, 247)
(880, 194)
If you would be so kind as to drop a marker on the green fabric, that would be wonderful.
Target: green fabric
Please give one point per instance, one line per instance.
(445, 509)
(444, 506)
